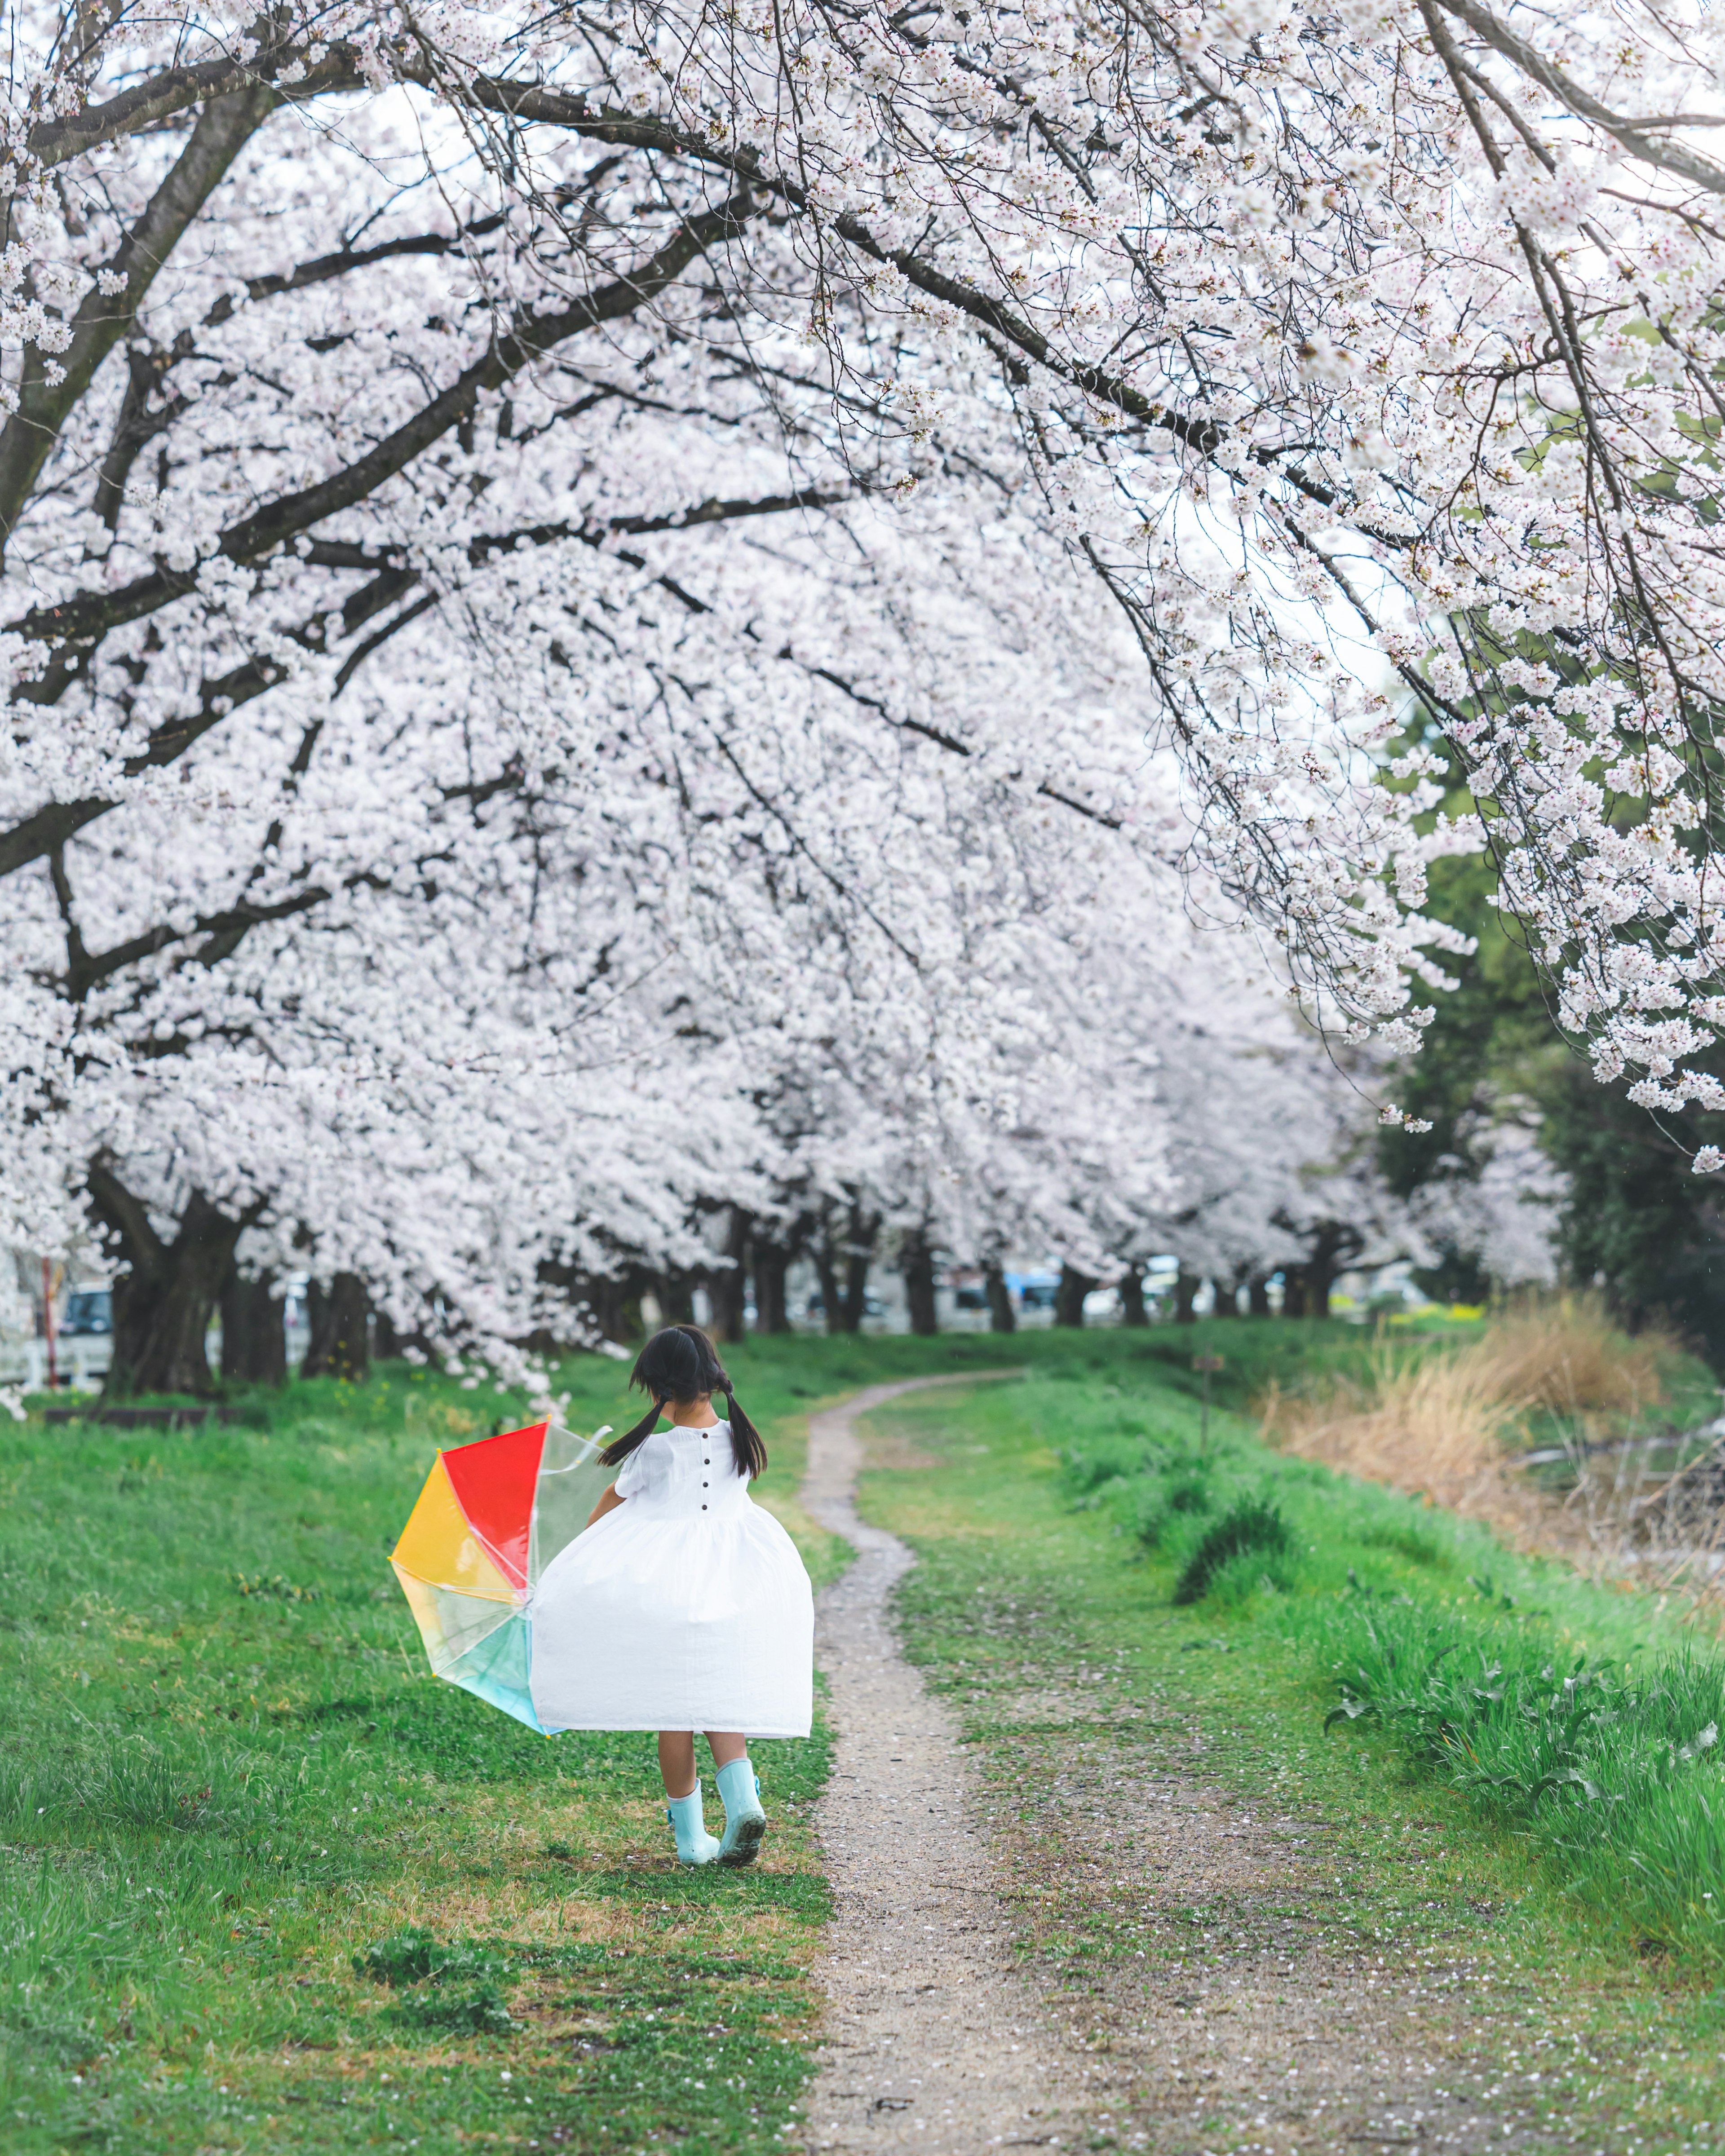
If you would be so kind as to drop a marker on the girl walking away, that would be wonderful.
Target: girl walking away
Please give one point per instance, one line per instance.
(683, 1606)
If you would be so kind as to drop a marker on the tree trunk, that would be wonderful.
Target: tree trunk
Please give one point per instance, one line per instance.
(844, 1256)
(675, 1294)
(1001, 1316)
(855, 1301)
(1335, 1245)
(1131, 1297)
(1331, 1247)
(614, 1305)
(317, 1306)
(338, 1347)
(771, 1265)
(1227, 1298)
(726, 1285)
(1185, 1288)
(827, 1273)
(604, 1298)
(165, 1296)
(387, 1342)
(726, 1292)
(253, 1339)
(917, 1264)
(1068, 1296)
(1258, 1295)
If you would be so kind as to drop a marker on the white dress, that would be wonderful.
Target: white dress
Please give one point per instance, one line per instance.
(686, 1607)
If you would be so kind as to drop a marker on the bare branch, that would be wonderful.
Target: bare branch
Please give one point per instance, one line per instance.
(84, 619)
(1670, 156)
(51, 390)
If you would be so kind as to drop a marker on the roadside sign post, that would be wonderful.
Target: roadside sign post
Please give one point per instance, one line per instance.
(54, 1375)
(1206, 1364)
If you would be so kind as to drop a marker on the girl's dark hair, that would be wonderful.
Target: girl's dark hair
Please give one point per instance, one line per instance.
(680, 1365)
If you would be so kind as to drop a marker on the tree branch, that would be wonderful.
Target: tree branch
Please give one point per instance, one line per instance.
(1670, 156)
(324, 267)
(60, 820)
(135, 427)
(533, 104)
(91, 969)
(49, 390)
(128, 1217)
(159, 97)
(52, 826)
(85, 619)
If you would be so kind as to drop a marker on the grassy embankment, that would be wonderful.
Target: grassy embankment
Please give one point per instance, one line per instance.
(1517, 1774)
(227, 1783)
(225, 1771)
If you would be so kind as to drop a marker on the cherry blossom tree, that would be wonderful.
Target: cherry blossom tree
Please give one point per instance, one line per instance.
(1227, 300)
(455, 723)
(1190, 1110)
(522, 527)
(402, 1065)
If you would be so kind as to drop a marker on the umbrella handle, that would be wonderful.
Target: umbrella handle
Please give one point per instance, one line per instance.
(586, 1458)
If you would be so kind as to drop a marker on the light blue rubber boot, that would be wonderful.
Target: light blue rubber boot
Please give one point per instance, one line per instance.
(745, 1822)
(694, 1844)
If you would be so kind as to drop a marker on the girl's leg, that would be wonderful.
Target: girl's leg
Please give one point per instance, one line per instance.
(745, 1822)
(676, 1762)
(727, 1744)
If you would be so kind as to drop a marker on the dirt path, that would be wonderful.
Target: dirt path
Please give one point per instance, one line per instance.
(933, 2041)
(1274, 2029)
(1279, 2021)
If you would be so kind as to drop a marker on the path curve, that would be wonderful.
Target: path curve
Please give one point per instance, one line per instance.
(933, 2041)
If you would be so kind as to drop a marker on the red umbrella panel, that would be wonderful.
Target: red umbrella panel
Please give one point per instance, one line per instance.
(490, 1518)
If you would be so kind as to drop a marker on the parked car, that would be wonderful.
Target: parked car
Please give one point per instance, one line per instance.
(970, 1298)
(816, 1305)
(82, 1347)
(89, 1311)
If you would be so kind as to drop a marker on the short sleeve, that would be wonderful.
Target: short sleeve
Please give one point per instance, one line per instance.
(632, 1476)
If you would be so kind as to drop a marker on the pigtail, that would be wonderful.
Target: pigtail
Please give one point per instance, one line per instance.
(619, 1449)
(747, 1449)
(679, 1364)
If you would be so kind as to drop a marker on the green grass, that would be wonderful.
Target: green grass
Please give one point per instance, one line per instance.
(227, 1776)
(1054, 1529)
(225, 1771)
(1571, 1715)
(265, 1884)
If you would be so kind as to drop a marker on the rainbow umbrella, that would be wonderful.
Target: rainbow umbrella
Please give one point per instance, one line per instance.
(490, 1518)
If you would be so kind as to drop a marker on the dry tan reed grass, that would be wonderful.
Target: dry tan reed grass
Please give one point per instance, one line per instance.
(1445, 1421)
(1434, 1426)
(1562, 1352)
